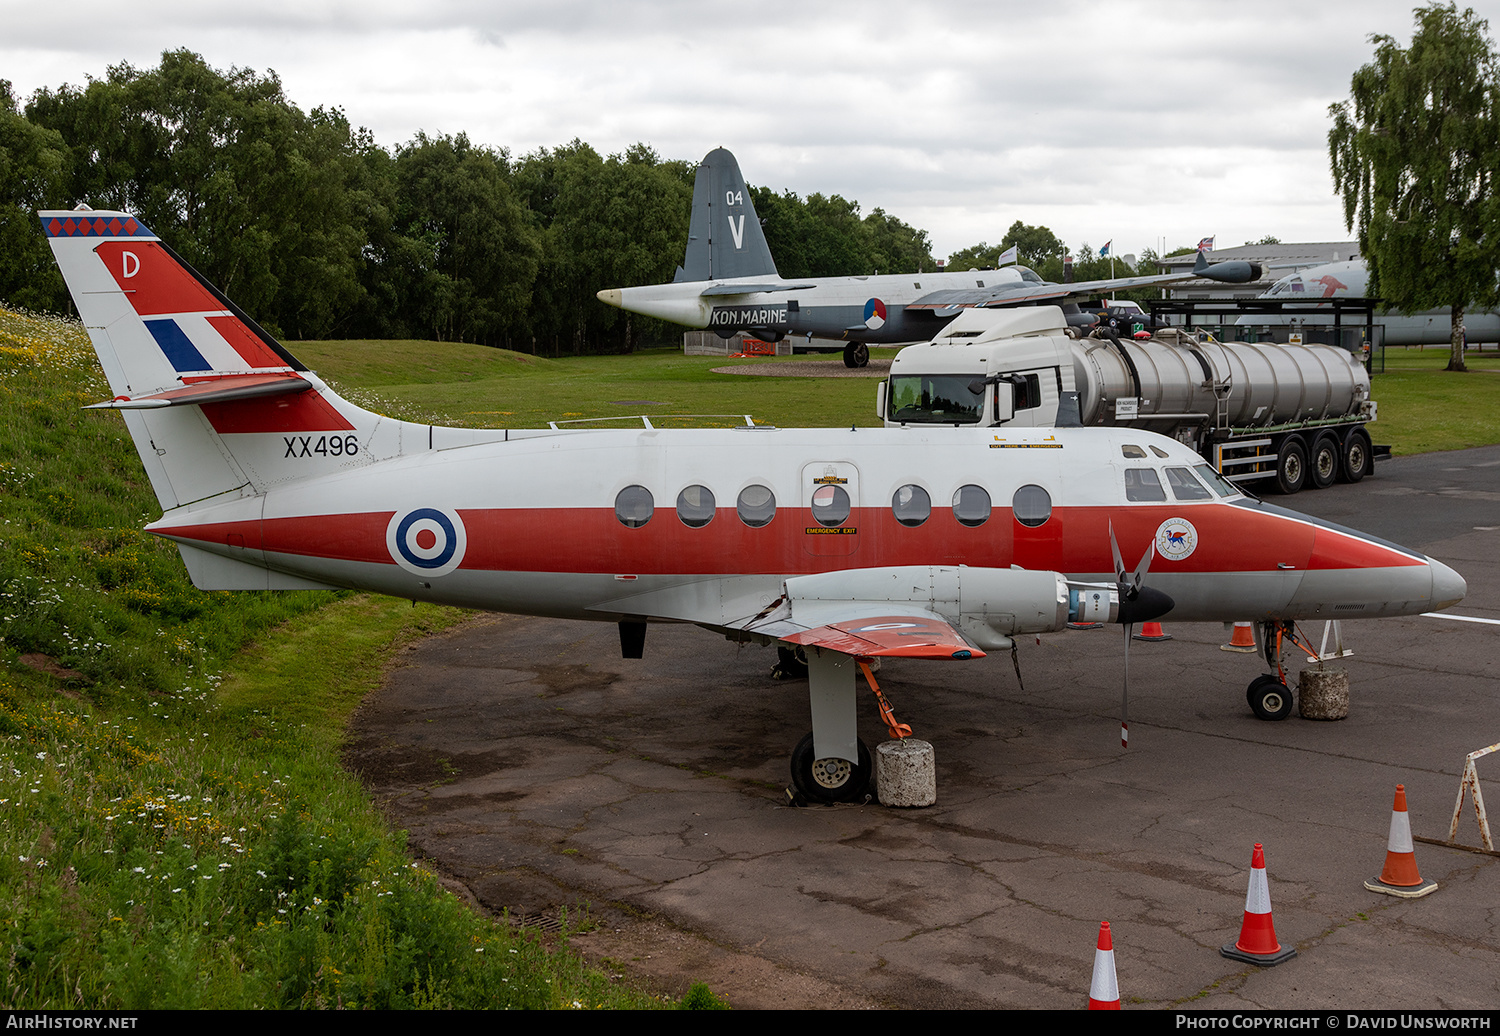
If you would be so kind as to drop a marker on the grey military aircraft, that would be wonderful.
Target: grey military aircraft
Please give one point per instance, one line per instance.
(728, 283)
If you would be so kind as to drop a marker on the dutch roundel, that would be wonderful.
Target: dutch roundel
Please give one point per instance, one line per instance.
(874, 314)
(426, 541)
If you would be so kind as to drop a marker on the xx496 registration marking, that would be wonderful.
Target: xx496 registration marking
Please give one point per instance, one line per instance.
(326, 446)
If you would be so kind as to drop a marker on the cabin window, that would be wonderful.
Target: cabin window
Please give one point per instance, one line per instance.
(1216, 481)
(1185, 486)
(756, 506)
(1142, 486)
(1133, 452)
(830, 505)
(695, 506)
(911, 505)
(971, 505)
(1032, 506)
(634, 506)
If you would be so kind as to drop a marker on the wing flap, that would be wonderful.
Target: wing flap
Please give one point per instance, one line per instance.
(890, 636)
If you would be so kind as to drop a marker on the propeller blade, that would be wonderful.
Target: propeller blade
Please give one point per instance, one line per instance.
(1125, 692)
(1114, 547)
(1145, 563)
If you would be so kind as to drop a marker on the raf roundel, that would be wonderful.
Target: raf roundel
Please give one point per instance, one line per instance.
(426, 541)
(1176, 539)
(874, 314)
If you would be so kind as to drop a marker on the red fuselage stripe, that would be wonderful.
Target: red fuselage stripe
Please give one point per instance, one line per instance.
(593, 540)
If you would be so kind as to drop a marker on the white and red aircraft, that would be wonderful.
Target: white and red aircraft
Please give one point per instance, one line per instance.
(850, 544)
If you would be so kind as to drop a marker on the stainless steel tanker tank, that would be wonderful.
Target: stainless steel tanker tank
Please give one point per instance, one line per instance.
(1233, 384)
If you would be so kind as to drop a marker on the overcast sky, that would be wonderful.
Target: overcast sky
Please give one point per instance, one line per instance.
(1135, 122)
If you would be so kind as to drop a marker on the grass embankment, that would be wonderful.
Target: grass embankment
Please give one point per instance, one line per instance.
(175, 828)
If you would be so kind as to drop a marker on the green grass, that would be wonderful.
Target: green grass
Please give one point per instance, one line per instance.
(1423, 408)
(176, 829)
(492, 388)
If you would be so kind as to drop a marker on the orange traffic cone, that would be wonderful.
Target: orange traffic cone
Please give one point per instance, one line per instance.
(1399, 877)
(1243, 639)
(1151, 631)
(1104, 990)
(1257, 943)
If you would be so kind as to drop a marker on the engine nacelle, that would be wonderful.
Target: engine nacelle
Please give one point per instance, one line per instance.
(989, 605)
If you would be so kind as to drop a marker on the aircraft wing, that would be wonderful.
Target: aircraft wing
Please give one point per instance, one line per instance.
(913, 634)
(761, 605)
(1231, 272)
(972, 298)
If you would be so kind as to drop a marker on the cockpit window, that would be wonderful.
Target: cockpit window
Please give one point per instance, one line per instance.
(1132, 452)
(1216, 481)
(1029, 276)
(1185, 486)
(1142, 486)
(1163, 454)
(936, 398)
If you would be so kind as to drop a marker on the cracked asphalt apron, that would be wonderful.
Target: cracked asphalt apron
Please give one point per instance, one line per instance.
(533, 765)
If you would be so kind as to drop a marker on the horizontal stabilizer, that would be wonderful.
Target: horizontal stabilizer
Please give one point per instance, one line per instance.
(747, 289)
(212, 390)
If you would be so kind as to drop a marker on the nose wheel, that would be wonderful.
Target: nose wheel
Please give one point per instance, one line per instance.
(1269, 698)
(831, 779)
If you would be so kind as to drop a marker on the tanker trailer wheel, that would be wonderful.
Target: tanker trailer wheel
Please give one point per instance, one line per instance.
(1323, 464)
(1359, 457)
(1291, 465)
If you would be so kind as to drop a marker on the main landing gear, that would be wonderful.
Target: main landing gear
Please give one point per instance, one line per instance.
(829, 779)
(856, 354)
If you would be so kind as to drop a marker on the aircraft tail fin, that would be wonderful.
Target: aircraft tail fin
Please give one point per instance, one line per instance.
(217, 408)
(725, 239)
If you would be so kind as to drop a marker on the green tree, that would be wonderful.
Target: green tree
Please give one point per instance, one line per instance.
(261, 198)
(1414, 152)
(33, 161)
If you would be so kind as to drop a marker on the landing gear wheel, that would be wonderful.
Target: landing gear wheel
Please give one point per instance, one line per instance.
(1291, 465)
(791, 664)
(1359, 456)
(1324, 461)
(1269, 698)
(832, 779)
(856, 354)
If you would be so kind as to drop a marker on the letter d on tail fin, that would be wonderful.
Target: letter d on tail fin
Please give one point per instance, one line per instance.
(725, 239)
(217, 408)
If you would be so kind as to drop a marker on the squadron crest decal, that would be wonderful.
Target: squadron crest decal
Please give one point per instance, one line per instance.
(1176, 539)
(426, 541)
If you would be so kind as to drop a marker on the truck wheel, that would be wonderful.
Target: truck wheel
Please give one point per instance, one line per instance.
(1323, 465)
(1359, 457)
(1291, 465)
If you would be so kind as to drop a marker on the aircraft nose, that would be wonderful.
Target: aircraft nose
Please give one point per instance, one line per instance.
(611, 296)
(1448, 587)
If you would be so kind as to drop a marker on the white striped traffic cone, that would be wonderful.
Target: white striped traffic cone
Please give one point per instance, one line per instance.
(1104, 990)
(1257, 943)
(1242, 640)
(1399, 876)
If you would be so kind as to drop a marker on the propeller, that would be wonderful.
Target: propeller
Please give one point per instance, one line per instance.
(1138, 603)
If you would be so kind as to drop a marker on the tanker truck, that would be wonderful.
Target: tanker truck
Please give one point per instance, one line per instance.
(1292, 413)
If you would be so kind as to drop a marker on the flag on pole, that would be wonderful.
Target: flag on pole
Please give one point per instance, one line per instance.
(1206, 245)
(1105, 250)
(1007, 256)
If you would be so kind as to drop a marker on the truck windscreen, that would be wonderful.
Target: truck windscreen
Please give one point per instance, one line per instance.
(936, 398)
